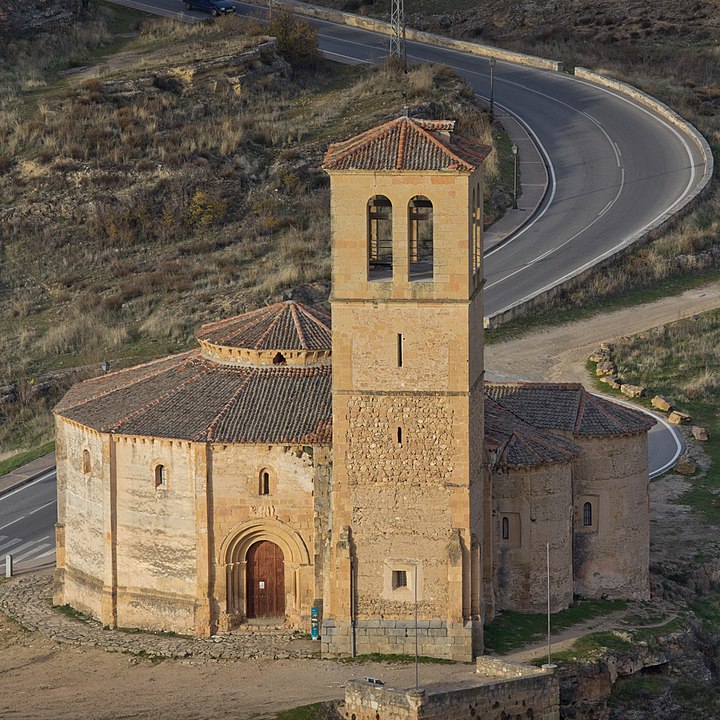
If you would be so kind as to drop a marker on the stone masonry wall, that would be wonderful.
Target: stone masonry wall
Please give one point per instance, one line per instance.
(537, 502)
(156, 548)
(505, 694)
(401, 498)
(80, 513)
(288, 510)
(612, 555)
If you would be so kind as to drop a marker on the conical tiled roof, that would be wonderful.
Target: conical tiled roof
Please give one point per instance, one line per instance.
(407, 143)
(283, 326)
(189, 397)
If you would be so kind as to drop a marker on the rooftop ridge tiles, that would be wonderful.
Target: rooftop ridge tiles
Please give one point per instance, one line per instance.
(355, 142)
(338, 152)
(313, 315)
(582, 404)
(269, 329)
(187, 355)
(209, 431)
(156, 400)
(604, 406)
(400, 159)
(251, 321)
(298, 328)
(444, 147)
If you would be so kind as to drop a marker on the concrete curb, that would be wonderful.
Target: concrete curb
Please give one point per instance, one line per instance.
(640, 237)
(378, 26)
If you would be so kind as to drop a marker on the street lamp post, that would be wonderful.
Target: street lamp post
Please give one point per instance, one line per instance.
(492, 88)
(515, 173)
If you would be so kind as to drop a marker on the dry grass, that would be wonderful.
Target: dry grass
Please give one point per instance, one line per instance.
(174, 188)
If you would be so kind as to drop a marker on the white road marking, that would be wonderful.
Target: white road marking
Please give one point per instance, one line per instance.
(6, 546)
(47, 475)
(30, 554)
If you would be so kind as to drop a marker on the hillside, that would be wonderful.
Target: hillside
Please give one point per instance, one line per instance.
(153, 182)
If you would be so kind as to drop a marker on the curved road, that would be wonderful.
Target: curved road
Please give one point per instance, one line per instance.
(614, 168)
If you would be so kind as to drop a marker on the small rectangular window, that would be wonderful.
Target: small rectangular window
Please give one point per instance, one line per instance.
(399, 579)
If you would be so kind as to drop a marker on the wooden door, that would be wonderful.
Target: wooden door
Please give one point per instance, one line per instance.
(265, 581)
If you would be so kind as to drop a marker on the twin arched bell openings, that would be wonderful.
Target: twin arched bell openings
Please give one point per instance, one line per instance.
(420, 236)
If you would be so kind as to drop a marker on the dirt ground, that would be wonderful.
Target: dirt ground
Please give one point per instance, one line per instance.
(43, 680)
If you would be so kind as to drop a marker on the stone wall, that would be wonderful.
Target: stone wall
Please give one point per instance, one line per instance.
(611, 555)
(500, 691)
(155, 541)
(537, 502)
(81, 545)
(241, 516)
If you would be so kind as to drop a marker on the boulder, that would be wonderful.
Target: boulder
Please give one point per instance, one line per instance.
(600, 356)
(612, 380)
(606, 368)
(685, 467)
(661, 403)
(679, 418)
(632, 390)
(700, 433)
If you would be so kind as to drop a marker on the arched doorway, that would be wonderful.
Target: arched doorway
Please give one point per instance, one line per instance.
(265, 580)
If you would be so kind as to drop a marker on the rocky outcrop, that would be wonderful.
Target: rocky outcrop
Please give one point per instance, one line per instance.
(29, 18)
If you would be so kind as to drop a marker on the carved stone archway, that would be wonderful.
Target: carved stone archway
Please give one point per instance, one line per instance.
(232, 568)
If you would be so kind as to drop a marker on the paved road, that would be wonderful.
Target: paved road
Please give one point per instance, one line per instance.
(614, 168)
(27, 518)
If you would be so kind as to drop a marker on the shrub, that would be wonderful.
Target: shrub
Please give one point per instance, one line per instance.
(296, 39)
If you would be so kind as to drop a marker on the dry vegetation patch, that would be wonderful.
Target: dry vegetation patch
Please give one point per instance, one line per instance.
(173, 182)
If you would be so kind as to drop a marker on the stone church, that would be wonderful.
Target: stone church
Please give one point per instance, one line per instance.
(281, 466)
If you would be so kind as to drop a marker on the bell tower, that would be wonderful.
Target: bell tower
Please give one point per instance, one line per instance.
(407, 393)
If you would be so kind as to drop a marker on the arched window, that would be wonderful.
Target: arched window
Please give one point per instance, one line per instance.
(160, 477)
(379, 234)
(86, 462)
(587, 514)
(264, 483)
(420, 238)
(505, 529)
(279, 359)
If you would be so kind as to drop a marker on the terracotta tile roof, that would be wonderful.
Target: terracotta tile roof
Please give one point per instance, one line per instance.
(568, 407)
(407, 143)
(518, 444)
(187, 397)
(282, 326)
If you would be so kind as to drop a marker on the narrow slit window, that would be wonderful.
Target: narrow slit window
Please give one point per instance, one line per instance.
(399, 437)
(399, 579)
(587, 514)
(160, 477)
(264, 483)
(505, 529)
(399, 350)
(86, 461)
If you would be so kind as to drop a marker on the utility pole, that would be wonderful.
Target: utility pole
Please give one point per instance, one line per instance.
(397, 39)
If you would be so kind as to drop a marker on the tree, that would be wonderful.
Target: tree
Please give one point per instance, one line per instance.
(296, 39)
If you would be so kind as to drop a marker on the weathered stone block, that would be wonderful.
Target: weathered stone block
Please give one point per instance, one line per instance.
(632, 390)
(700, 433)
(661, 403)
(679, 418)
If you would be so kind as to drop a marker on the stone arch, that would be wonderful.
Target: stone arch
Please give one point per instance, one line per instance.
(232, 558)
(238, 541)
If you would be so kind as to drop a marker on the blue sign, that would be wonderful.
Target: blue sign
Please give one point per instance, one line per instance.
(314, 624)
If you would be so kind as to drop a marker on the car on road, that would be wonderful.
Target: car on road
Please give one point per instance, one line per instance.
(214, 7)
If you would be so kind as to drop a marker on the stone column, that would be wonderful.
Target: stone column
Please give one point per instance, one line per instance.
(201, 463)
(108, 606)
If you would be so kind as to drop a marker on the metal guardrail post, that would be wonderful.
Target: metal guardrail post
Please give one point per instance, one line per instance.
(8, 566)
